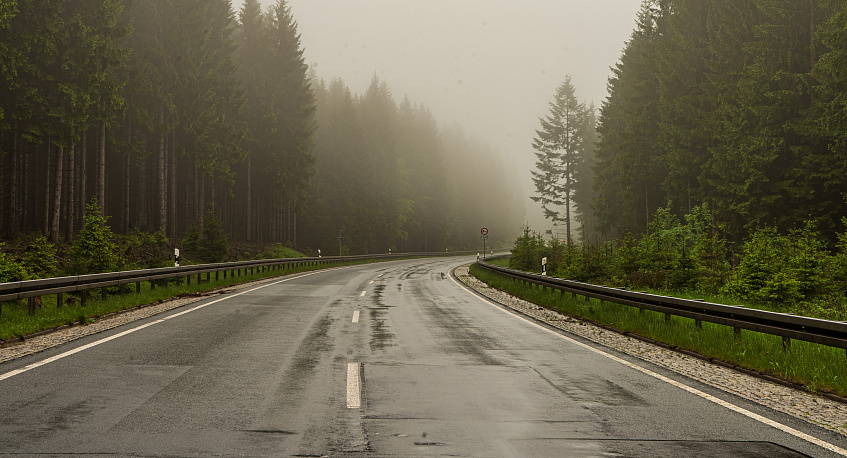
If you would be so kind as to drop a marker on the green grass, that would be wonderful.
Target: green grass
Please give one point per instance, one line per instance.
(16, 322)
(817, 367)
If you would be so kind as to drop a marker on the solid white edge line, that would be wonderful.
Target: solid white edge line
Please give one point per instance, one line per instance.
(138, 328)
(354, 399)
(709, 397)
(356, 316)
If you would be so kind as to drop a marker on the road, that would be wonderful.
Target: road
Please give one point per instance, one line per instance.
(385, 359)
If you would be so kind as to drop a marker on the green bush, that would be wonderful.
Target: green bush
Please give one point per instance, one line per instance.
(528, 250)
(765, 273)
(40, 259)
(10, 270)
(94, 251)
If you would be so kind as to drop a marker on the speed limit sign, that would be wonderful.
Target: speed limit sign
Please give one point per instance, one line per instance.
(484, 231)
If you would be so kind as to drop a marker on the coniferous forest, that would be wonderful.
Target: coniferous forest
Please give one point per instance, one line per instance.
(737, 104)
(174, 114)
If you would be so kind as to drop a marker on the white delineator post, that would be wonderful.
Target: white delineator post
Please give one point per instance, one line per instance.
(544, 266)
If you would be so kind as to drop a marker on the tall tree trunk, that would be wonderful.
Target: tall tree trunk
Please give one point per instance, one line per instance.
(101, 166)
(83, 177)
(163, 198)
(172, 175)
(201, 196)
(142, 192)
(69, 235)
(57, 196)
(45, 228)
(13, 210)
(196, 197)
(127, 176)
(249, 201)
(26, 192)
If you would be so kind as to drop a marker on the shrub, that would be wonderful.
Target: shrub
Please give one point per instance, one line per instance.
(528, 250)
(94, 251)
(10, 270)
(764, 273)
(40, 259)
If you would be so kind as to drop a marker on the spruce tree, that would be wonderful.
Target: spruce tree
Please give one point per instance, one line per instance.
(559, 146)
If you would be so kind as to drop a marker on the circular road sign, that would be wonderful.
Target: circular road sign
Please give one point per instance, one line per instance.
(484, 231)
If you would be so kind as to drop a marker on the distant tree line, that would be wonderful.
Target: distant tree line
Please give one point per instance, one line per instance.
(171, 112)
(389, 178)
(737, 104)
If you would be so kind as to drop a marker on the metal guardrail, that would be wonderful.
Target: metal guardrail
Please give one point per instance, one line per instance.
(787, 326)
(31, 289)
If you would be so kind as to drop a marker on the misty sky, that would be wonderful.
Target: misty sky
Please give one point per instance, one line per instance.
(492, 66)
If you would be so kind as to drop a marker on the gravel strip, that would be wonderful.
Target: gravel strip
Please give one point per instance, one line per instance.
(819, 410)
(35, 344)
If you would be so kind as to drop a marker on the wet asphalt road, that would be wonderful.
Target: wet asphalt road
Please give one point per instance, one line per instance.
(440, 372)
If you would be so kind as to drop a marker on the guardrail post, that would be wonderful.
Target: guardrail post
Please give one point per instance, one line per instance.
(786, 343)
(59, 300)
(737, 331)
(31, 305)
(152, 285)
(217, 275)
(667, 317)
(103, 293)
(121, 289)
(188, 280)
(138, 287)
(698, 323)
(82, 295)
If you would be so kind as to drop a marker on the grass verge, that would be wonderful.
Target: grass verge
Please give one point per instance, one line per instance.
(16, 322)
(817, 367)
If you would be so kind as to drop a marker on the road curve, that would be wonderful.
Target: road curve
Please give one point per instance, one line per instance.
(386, 359)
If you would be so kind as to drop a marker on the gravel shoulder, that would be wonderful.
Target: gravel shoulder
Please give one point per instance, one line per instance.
(810, 407)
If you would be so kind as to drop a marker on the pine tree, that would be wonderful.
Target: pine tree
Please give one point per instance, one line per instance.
(559, 146)
(629, 175)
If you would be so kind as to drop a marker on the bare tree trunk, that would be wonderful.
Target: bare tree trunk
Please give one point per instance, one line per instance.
(57, 196)
(45, 228)
(83, 177)
(101, 161)
(163, 198)
(196, 196)
(142, 192)
(14, 207)
(249, 202)
(201, 193)
(172, 175)
(127, 175)
(69, 234)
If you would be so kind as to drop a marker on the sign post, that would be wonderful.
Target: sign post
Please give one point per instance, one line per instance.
(484, 232)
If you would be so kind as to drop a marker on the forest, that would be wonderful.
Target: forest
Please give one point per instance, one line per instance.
(739, 105)
(169, 115)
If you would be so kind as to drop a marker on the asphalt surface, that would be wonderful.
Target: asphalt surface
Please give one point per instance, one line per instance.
(425, 368)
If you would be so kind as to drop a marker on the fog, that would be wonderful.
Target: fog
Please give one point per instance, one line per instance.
(491, 66)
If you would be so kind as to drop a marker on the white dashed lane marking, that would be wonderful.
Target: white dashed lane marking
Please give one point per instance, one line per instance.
(356, 316)
(354, 400)
(363, 294)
